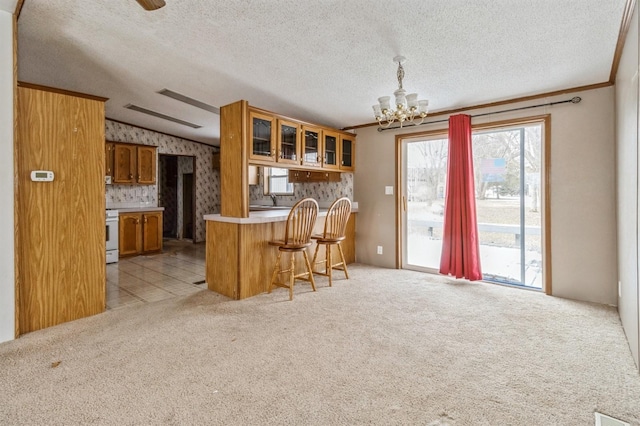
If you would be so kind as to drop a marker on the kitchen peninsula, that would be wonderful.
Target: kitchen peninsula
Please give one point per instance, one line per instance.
(239, 260)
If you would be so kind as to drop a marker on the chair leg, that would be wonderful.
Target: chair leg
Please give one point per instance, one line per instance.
(292, 274)
(315, 256)
(328, 264)
(344, 262)
(276, 269)
(306, 260)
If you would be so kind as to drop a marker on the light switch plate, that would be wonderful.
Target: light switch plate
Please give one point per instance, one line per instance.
(388, 190)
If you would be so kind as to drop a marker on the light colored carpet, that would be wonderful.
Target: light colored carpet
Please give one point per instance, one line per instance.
(386, 347)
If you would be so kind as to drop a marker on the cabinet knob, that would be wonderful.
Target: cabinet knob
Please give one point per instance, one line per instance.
(138, 177)
(130, 176)
(273, 152)
(137, 221)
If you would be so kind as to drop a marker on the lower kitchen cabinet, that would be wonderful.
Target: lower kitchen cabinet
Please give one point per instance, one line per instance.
(140, 233)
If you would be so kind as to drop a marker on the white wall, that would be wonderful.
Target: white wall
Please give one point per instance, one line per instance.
(627, 187)
(7, 272)
(582, 185)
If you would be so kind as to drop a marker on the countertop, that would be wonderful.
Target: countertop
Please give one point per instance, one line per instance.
(266, 216)
(138, 209)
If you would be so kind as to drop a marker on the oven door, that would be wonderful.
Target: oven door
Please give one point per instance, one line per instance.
(112, 234)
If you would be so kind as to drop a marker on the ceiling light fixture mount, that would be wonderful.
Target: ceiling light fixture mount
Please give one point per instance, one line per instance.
(408, 107)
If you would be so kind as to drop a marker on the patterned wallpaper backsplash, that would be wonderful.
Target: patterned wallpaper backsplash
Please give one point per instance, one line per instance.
(207, 179)
(324, 192)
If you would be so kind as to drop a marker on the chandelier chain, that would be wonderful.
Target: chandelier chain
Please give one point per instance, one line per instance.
(400, 75)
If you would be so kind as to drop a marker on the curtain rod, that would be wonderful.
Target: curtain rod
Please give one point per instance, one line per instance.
(574, 100)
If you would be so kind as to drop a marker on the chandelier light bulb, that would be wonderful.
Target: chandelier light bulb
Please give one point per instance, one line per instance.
(412, 100)
(407, 107)
(385, 104)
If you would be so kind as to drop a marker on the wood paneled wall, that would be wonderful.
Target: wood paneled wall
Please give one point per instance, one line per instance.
(61, 233)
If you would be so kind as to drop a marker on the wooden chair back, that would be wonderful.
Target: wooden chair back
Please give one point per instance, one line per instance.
(301, 221)
(335, 224)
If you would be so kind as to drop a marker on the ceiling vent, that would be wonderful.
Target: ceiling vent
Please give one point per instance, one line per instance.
(187, 100)
(160, 115)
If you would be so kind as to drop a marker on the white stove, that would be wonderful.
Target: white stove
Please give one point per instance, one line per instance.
(112, 236)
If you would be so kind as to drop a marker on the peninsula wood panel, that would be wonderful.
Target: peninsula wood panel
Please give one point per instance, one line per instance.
(257, 257)
(222, 258)
(349, 244)
(61, 246)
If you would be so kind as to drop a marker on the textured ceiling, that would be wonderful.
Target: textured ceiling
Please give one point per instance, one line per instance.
(324, 61)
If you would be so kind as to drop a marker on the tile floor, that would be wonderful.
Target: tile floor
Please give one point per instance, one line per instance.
(143, 279)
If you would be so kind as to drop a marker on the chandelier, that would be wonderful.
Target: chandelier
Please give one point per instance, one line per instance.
(407, 107)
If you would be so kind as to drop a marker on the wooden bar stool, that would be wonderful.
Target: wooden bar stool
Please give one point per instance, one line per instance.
(297, 237)
(335, 227)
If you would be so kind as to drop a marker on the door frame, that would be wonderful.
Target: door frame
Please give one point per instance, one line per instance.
(545, 121)
(194, 193)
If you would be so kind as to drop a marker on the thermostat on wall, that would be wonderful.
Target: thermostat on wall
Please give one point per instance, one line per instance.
(42, 176)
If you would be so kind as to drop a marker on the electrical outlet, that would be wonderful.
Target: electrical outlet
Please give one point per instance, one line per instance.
(379, 249)
(388, 190)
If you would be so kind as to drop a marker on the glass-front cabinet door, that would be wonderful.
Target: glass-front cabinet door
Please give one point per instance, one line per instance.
(262, 137)
(311, 146)
(347, 152)
(288, 142)
(331, 140)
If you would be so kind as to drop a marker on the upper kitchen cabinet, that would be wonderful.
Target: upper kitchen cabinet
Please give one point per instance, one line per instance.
(330, 148)
(108, 156)
(262, 137)
(124, 163)
(347, 152)
(146, 165)
(133, 164)
(288, 142)
(311, 146)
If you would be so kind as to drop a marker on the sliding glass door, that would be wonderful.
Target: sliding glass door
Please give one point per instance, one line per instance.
(508, 169)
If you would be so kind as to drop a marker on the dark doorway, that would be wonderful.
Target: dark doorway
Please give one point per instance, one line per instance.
(168, 194)
(187, 205)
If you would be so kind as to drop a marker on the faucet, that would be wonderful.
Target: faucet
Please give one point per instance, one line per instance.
(274, 199)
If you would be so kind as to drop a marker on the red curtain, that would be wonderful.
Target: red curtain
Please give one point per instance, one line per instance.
(460, 246)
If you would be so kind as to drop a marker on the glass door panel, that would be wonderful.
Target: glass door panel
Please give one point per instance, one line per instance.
(330, 150)
(426, 176)
(288, 142)
(311, 146)
(346, 153)
(507, 165)
(262, 140)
